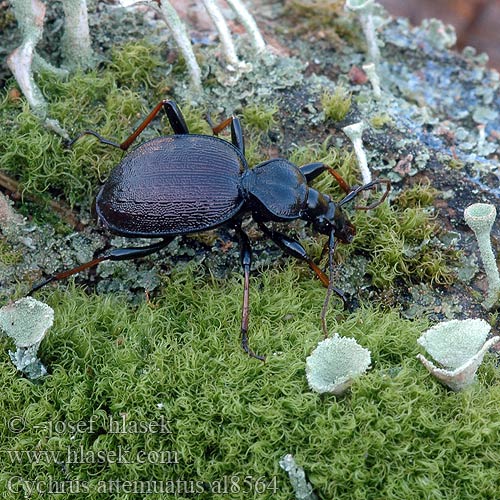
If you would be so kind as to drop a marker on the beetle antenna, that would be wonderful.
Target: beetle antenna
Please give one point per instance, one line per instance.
(370, 185)
(331, 246)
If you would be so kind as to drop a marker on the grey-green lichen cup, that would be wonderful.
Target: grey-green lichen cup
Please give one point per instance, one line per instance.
(459, 347)
(26, 322)
(335, 364)
(480, 218)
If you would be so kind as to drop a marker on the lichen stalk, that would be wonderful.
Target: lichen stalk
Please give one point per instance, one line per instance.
(228, 47)
(77, 48)
(30, 15)
(363, 9)
(169, 15)
(480, 218)
(355, 133)
(173, 21)
(371, 72)
(366, 21)
(249, 23)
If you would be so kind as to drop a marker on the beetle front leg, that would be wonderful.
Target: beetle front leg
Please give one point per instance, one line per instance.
(313, 170)
(246, 261)
(237, 138)
(295, 249)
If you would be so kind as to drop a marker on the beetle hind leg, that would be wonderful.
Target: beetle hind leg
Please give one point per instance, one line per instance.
(312, 170)
(174, 116)
(114, 254)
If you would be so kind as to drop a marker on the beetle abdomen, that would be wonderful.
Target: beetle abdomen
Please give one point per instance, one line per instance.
(173, 185)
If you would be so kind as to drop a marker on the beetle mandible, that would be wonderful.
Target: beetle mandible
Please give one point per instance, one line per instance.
(187, 183)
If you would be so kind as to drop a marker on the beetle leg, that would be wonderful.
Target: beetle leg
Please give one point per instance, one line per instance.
(313, 170)
(115, 254)
(246, 261)
(237, 138)
(355, 192)
(174, 116)
(293, 248)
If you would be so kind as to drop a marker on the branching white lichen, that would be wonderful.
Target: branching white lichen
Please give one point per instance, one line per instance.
(480, 218)
(169, 15)
(302, 489)
(459, 347)
(77, 49)
(363, 9)
(371, 72)
(30, 15)
(249, 23)
(226, 40)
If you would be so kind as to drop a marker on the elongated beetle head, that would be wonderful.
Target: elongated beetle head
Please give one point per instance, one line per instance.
(334, 220)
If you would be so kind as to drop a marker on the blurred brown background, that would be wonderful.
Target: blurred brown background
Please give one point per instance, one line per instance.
(477, 22)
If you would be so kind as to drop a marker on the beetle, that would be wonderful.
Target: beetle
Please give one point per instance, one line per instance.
(187, 183)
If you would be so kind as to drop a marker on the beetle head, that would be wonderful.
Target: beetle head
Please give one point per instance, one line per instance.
(334, 220)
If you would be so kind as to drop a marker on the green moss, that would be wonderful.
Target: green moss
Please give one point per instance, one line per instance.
(259, 117)
(455, 163)
(254, 152)
(380, 121)
(336, 105)
(419, 195)
(136, 63)
(397, 244)
(337, 158)
(320, 19)
(178, 358)
(111, 101)
(196, 121)
(7, 255)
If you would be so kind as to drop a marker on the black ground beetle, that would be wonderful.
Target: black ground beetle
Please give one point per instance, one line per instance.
(187, 183)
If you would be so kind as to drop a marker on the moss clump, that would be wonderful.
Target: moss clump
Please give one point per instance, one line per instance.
(340, 160)
(178, 360)
(259, 117)
(398, 244)
(336, 105)
(111, 101)
(418, 196)
(320, 19)
(8, 256)
(136, 62)
(382, 120)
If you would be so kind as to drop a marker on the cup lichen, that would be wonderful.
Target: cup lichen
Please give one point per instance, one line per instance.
(26, 322)
(335, 363)
(355, 134)
(459, 347)
(480, 218)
